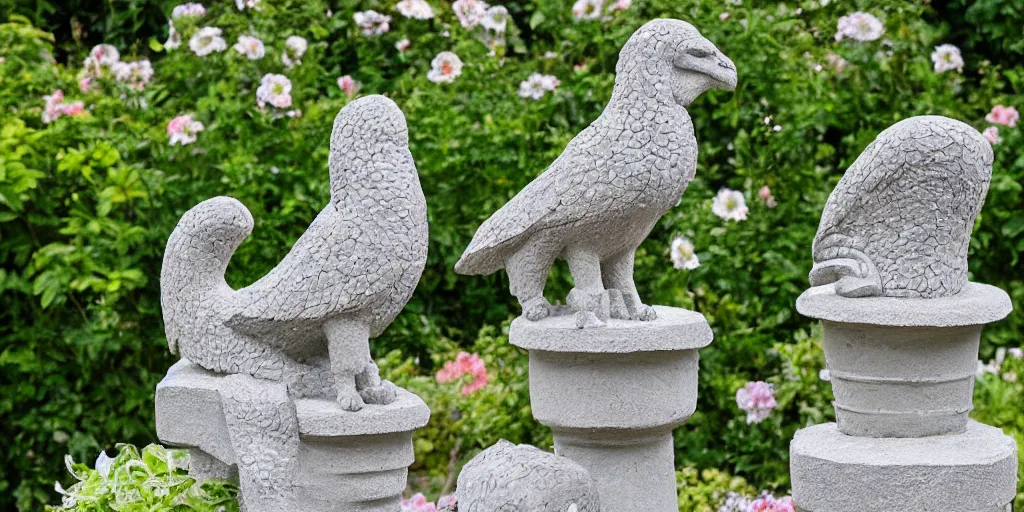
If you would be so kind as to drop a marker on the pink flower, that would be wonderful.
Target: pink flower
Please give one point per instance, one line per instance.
(724, 16)
(768, 503)
(73, 109)
(84, 84)
(470, 12)
(757, 399)
(465, 364)
(418, 503)
(621, 5)
(766, 195)
(992, 135)
(1007, 116)
(447, 502)
(347, 84)
(274, 89)
(183, 129)
(54, 107)
(403, 45)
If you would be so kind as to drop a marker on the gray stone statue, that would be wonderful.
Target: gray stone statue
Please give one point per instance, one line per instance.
(899, 222)
(307, 323)
(521, 478)
(599, 200)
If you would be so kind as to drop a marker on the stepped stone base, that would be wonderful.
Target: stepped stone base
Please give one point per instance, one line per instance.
(342, 462)
(975, 471)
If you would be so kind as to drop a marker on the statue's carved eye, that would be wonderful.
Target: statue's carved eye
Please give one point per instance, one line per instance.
(700, 53)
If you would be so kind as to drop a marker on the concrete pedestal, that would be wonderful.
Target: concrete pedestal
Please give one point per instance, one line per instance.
(974, 471)
(903, 372)
(612, 396)
(346, 462)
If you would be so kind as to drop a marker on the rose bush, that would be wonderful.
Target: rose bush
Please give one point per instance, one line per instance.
(102, 148)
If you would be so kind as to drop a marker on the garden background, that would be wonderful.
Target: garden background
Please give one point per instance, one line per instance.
(90, 191)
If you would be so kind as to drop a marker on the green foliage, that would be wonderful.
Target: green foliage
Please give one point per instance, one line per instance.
(87, 202)
(155, 479)
(705, 490)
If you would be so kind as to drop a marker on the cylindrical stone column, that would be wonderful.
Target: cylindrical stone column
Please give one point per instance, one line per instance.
(612, 396)
(902, 370)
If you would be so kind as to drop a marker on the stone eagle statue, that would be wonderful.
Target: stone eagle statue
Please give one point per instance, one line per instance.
(599, 200)
(308, 321)
(899, 222)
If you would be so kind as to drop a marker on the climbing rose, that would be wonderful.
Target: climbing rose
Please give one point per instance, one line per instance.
(347, 84)
(465, 364)
(496, 19)
(206, 41)
(730, 205)
(682, 254)
(537, 85)
(183, 129)
(1007, 116)
(587, 9)
(416, 9)
(274, 89)
(403, 45)
(757, 399)
(992, 135)
(188, 10)
(251, 47)
(947, 58)
(372, 22)
(470, 12)
(294, 48)
(860, 26)
(418, 503)
(445, 67)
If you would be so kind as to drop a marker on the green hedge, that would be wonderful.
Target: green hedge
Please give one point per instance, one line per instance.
(87, 202)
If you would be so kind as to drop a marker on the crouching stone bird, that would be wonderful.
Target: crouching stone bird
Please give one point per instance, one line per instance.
(899, 222)
(308, 321)
(600, 199)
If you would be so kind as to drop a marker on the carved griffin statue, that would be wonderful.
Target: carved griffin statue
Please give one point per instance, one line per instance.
(899, 222)
(599, 200)
(308, 321)
(521, 478)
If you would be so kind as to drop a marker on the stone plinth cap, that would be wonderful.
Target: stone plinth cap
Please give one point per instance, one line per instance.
(324, 418)
(674, 329)
(976, 304)
(834, 472)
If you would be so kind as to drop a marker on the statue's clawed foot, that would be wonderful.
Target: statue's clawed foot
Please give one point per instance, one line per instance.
(591, 307)
(617, 305)
(537, 308)
(638, 310)
(351, 401)
(382, 394)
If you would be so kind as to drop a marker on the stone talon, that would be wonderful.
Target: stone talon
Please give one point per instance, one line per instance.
(588, 320)
(645, 313)
(617, 306)
(537, 309)
(351, 402)
(381, 394)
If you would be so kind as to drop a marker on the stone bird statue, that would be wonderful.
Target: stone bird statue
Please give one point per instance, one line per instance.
(599, 200)
(308, 321)
(522, 478)
(899, 222)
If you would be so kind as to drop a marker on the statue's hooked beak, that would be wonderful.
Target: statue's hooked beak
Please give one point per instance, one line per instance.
(724, 73)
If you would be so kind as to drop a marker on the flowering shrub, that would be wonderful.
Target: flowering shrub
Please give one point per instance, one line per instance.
(493, 93)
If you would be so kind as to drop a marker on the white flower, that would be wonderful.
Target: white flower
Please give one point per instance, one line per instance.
(173, 37)
(403, 45)
(103, 465)
(184, 129)
(1016, 353)
(537, 85)
(587, 9)
(294, 48)
(188, 10)
(276, 90)
(622, 5)
(470, 12)
(373, 23)
(682, 254)
(730, 205)
(860, 26)
(206, 41)
(136, 74)
(247, 4)
(825, 375)
(991, 134)
(445, 67)
(251, 47)
(947, 58)
(496, 19)
(549, 55)
(416, 9)
(100, 58)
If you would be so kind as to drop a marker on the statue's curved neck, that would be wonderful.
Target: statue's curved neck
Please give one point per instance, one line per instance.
(632, 91)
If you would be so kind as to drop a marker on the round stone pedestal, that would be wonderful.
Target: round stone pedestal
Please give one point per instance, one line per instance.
(346, 461)
(612, 396)
(974, 471)
(903, 367)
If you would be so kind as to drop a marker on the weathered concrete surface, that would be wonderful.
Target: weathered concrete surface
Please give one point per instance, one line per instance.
(613, 396)
(524, 478)
(899, 222)
(975, 471)
(341, 461)
(599, 200)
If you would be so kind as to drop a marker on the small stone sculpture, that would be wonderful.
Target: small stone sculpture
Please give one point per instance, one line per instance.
(521, 478)
(599, 200)
(307, 322)
(899, 222)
